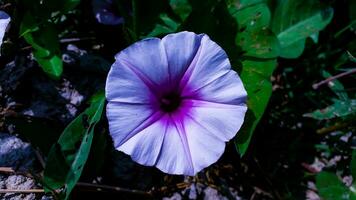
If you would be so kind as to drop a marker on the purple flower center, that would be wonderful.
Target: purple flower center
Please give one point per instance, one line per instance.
(170, 102)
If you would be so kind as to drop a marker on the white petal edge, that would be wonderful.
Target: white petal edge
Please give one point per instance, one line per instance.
(4, 22)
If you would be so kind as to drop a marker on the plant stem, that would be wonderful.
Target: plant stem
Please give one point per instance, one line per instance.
(317, 85)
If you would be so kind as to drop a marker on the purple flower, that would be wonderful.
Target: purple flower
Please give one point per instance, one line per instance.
(4, 22)
(106, 12)
(173, 103)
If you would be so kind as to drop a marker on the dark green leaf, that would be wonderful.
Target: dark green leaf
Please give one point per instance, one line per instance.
(256, 78)
(331, 188)
(259, 43)
(167, 25)
(261, 47)
(336, 87)
(254, 37)
(44, 40)
(181, 7)
(338, 109)
(294, 50)
(294, 21)
(69, 155)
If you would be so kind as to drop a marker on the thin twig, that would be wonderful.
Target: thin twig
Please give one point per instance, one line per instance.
(40, 158)
(112, 188)
(68, 40)
(4, 191)
(9, 170)
(5, 6)
(317, 85)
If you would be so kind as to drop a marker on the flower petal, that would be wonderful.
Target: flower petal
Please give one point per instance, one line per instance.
(174, 158)
(221, 120)
(205, 147)
(226, 89)
(124, 85)
(126, 120)
(148, 58)
(145, 146)
(210, 63)
(180, 48)
(4, 22)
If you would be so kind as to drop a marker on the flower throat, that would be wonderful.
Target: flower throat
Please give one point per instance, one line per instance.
(170, 102)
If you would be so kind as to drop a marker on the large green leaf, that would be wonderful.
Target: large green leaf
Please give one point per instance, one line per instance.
(256, 78)
(260, 49)
(254, 37)
(68, 156)
(294, 20)
(331, 188)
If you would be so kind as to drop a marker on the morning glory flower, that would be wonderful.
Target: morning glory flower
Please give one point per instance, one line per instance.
(4, 22)
(106, 12)
(174, 102)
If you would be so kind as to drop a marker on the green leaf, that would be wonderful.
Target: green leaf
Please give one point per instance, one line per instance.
(256, 78)
(254, 37)
(167, 25)
(294, 50)
(260, 48)
(68, 156)
(242, 4)
(181, 7)
(251, 16)
(331, 188)
(338, 109)
(44, 40)
(293, 21)
(259, 43)
(336, 87)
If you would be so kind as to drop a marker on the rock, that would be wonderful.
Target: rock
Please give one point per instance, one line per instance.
(19, 155)
(15, 153)
(212, 194)
(18, 182)
(11, 196)
(175, 196)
